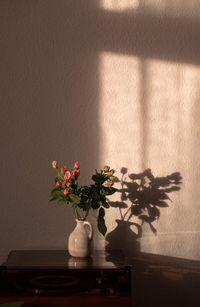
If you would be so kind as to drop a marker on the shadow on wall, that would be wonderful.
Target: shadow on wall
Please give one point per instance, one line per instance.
(147, 195)
(147, 34)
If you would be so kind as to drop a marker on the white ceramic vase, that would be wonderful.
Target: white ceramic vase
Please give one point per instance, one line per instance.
(80, 240)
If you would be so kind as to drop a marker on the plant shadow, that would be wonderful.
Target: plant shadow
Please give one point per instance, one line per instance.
(143, 196)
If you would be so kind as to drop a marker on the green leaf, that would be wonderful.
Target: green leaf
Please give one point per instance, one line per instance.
(94, 195)
(95, 205)
(108, 191)
(101, 222)
(101, 213)
(112, 178)
(99, 178)
(105, 204)
(84, 205)
(61, 202)
(60, 176)
(55, 194)
(75, 199)
(70, 203)
(95, 178)
(54, 190)
(84, 198)
(101, 226)
(85, 191)
(54, 198)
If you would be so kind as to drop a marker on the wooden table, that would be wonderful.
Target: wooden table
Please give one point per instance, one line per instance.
(54, 278)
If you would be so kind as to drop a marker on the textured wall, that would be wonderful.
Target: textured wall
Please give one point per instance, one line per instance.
(99, 83)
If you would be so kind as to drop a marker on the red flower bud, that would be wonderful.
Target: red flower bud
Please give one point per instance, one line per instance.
(110, 183)
(64, 184)
(63, 169)
(66, 192)
(67, 175)
(76, 165)
(58, 183)
(54, 164)
(75, 173)
(106, 168)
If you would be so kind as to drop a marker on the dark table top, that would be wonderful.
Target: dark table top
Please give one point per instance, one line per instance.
(60, 259)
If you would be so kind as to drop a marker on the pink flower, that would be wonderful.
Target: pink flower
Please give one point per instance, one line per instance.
(58, 183)
(67, 175)
(54, 164)
(66, 192)
(110, 183)
(75, 173)
(76, 165)
(106, 168)
(64, 184)
(111, 172)
(63, 169)
(68, 184)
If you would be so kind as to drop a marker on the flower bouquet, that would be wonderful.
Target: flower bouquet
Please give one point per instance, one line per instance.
(83, 199)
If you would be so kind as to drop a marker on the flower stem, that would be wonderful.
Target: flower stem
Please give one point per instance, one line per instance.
(77, 216)
(86, 214)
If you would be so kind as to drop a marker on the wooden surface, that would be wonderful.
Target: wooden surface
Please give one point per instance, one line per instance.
(60, 259)
(29, 263)
(165, 281)
(156, 281)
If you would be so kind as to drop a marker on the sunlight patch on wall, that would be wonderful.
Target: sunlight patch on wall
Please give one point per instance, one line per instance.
(119, 5)
(175, 8)
(118, 110)
(119, 122)
(171, 97)
(149, 118)
(163, 97)
(172, 137)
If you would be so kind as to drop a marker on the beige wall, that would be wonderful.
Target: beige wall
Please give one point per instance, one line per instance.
(99, 83)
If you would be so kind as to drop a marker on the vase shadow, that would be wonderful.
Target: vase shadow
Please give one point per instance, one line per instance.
(124, 238)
